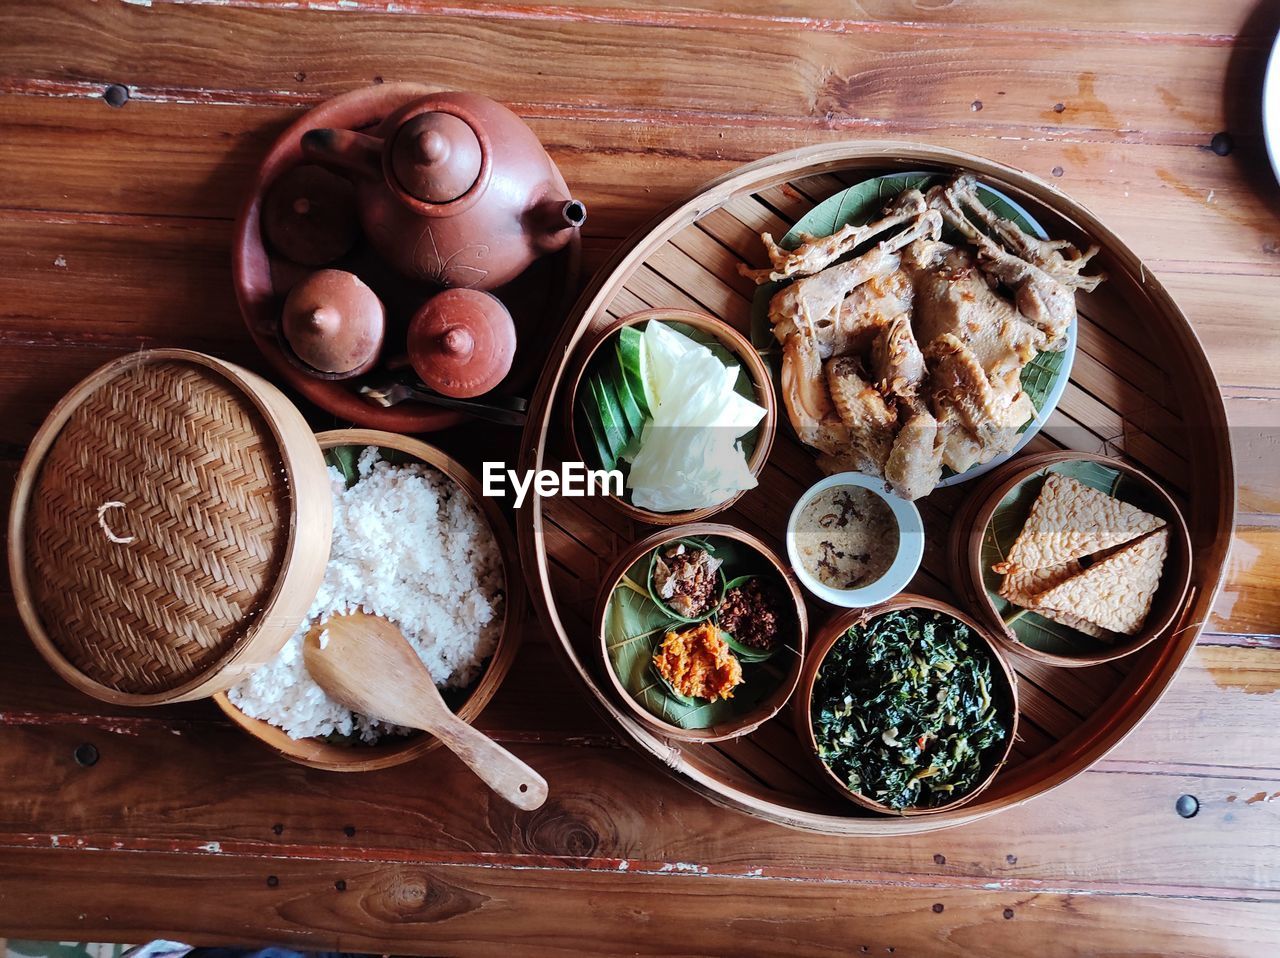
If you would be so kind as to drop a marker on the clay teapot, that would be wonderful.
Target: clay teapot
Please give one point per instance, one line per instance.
(454, 189)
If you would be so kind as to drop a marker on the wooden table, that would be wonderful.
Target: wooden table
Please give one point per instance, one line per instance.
(127, 135)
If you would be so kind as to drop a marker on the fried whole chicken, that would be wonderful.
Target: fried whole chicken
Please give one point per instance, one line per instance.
(908, 357)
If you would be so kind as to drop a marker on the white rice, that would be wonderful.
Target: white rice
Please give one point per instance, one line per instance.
(408, 545)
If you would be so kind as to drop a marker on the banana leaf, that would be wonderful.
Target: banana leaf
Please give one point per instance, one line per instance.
(347, 458)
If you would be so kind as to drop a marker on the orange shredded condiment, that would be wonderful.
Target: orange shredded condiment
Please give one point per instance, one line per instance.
(698, 663)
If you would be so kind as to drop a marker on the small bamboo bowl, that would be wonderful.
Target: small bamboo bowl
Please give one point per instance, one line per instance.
(768, 708)
(833, 630)
(969, 529)
(317, 753)
(733, 341)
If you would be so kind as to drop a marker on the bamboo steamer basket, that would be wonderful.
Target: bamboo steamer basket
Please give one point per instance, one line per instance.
(733, 341)
(770, 706)
(317, 753)
(169, 529)
(831, 633)
(965, 548)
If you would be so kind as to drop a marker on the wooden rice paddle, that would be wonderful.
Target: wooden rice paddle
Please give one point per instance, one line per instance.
(368, 666)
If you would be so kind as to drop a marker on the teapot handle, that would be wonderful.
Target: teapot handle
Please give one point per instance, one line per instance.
(344, 151)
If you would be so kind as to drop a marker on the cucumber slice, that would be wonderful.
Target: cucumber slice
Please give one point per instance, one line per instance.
(610, 417)
(589, 423)
(631, 358)
(627, 402)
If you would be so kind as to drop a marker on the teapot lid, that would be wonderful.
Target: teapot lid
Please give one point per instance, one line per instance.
(436, 157)
(462, 342)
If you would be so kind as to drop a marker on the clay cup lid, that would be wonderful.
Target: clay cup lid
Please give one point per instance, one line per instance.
(462, 342)
(153, 524)
(333, 323)
(309, 216)
(436, 157)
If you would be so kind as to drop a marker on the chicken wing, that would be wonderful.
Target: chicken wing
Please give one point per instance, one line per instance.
(896, 359)
(812, 304)
(816, 253)
(1061, 259)
(870, 421)
(914, 466)
(981, 419)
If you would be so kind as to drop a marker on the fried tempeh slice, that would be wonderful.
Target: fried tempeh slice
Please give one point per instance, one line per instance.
(1115, 593)
(1024, 586)
(1024, 589)
(1069, 520)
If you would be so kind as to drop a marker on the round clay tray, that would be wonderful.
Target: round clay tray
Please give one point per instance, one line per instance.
(333, 757)
(965, 550)
(730, 339)
(536, 299)
(1142, 364)
(771, 705)
(831, 632)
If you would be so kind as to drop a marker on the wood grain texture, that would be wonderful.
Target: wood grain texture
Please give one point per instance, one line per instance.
(816, 77)
(451, 909)
(114, 225)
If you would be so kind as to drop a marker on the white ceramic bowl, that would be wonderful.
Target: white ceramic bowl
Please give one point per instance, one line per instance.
(905, 563)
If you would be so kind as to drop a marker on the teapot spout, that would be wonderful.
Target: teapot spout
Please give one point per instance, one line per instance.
(344, 151)
(553, 221)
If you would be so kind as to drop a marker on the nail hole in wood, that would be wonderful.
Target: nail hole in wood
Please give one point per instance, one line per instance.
(116, 95)
(272, 881)
(1221, 144)
(1059, 107)
(86, 754)
(1008, 913)
(349, 831)
(278, 828)
(937, 908)
(340, 884)
(939, 859)
(1011, 859)
(1057, 171)
(1187, 806)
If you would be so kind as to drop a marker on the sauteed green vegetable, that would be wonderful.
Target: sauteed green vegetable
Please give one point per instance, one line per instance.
(905, 710)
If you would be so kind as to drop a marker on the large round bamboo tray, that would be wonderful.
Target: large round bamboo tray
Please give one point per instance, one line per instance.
(170, 526)
(1141, 388)
(332, 757)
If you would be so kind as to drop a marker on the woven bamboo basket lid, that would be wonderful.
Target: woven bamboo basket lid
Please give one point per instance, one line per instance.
(170, 528)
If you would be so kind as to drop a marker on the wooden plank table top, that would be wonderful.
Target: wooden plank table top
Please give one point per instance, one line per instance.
(128, 133)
